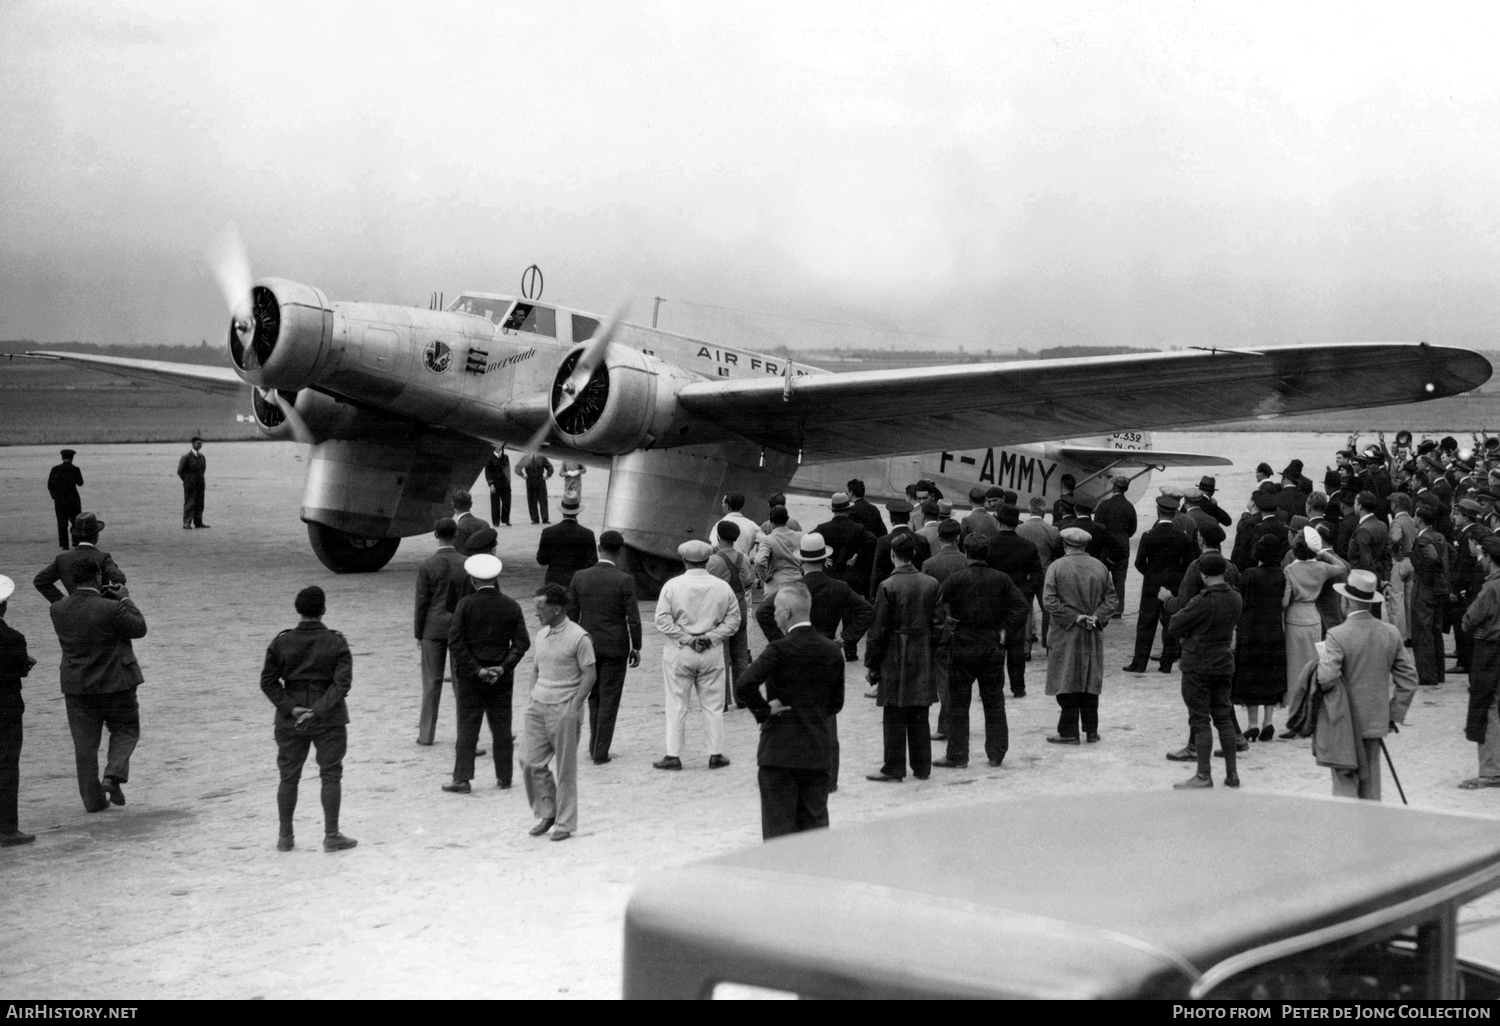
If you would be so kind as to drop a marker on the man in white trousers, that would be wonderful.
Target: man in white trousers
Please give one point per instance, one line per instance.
(698, 613)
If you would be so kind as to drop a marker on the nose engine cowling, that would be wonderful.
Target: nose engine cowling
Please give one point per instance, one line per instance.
(629, 402)
(279, 337)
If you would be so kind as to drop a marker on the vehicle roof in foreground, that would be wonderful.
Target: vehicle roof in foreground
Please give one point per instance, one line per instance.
(1088, 896)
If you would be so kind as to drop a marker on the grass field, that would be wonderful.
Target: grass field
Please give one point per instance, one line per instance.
(50, 404)
(53, 404)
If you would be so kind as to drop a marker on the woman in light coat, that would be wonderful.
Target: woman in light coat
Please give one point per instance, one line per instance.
(1306, 576)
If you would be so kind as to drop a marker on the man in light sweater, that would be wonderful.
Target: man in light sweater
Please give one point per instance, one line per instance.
(563, 674)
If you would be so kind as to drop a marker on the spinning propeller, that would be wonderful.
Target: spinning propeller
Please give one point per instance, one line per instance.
(231, 268)
(579, 383)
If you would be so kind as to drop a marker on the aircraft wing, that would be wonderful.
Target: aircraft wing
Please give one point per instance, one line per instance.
(1095, 456)
(930, 409)
(218, 380)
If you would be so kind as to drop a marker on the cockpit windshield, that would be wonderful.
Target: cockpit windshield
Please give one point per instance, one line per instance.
(490, 309)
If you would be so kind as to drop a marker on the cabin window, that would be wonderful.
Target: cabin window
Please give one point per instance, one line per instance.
(584, 327)
(536, 320)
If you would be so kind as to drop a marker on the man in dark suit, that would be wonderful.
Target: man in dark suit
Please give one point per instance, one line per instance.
(1264, 521)
(15, 663)
(464, 519)
(1370, 545)
(900, 511)
(602, 601)
(1116, 514)
(566, 547)
(487, 638)
(838, 612)
(1207, 486)
(803, 677)
(497, 475)
(862, 511)
(438, 578)
(99, 676)
(1162, 557)
(86, 528)
(191, 469)
(63, 482)
(852, 548)
(307, 674)
(1018, 559)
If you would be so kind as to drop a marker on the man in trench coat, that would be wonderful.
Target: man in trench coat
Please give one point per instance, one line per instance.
(1079, 596)
(901, 660)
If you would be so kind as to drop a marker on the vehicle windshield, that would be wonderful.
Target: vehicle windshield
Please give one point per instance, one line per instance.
(490, 309)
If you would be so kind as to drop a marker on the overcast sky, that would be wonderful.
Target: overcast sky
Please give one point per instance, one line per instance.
(1027, 174)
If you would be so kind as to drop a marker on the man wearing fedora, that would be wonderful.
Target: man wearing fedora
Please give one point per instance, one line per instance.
(191, 468)
(697, 613)
(63, 482)
(486, 639)
(1162, 558)
(15, 663)
(852, 548)
(1207, 486)
(566, 547)
(1368, 654)
(86, 528)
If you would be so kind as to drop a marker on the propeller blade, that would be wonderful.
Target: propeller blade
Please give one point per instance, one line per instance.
(300, 430)
(231, 269)
(592, 357)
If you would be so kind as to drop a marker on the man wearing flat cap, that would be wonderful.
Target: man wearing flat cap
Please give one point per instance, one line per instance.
(190, 469)
(1482, 622)
(852, 547)
(1162, 558)
(1116, 514)
(86, 528)
(1079, 597)
(63, 482)
(929, 531)
(99, 674)
(486, 638)
(697, 613)
(15, 663)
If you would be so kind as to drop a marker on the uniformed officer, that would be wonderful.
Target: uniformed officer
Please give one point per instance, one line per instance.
(191, 469)
(486, 639)
(308, 672)
(63, 482)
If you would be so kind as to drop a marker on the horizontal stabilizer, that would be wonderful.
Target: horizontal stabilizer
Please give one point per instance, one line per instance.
(1094, 457)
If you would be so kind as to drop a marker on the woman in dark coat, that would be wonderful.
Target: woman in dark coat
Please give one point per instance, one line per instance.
(1260, 644)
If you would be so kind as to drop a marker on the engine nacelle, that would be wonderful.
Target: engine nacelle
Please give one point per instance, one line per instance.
(324, 416)
(629, 403)
(283, 337)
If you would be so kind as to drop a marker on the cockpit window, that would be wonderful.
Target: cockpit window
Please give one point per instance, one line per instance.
(538, 320)
(491, 309)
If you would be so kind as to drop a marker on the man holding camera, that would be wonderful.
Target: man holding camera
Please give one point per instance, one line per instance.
(95, 625)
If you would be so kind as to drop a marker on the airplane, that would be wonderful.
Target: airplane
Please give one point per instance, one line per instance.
(401, 406)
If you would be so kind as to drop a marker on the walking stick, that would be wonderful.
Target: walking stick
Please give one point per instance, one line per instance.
(1392, 766)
